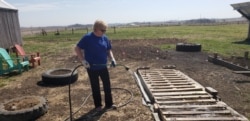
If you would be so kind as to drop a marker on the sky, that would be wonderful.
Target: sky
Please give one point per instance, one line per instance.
(39, 13)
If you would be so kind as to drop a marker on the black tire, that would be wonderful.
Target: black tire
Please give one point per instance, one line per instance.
(188, 47)
(25, 114)
(50, 76)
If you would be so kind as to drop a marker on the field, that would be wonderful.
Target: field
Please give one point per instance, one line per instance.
(134, 47)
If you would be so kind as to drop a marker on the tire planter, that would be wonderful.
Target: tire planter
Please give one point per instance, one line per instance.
(188, 47)
(27, 108)
(59, 76)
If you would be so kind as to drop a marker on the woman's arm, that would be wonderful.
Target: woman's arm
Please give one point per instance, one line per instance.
(79, 53)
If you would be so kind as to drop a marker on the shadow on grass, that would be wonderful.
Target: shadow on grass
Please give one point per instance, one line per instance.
(91, 116)
(42, 84)
(10, 74)
(246, 42)
(242, 81)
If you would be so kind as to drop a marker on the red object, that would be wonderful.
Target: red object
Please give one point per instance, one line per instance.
(33, 57)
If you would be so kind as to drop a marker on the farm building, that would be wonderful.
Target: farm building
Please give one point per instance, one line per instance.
(244, 10)
(10, 32)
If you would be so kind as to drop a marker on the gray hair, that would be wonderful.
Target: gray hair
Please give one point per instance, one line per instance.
(99, 24)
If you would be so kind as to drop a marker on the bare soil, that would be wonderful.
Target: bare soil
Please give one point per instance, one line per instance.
(21, 104)
(233, 88)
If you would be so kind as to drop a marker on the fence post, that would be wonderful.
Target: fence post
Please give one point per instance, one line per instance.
(246, 55)
(215, 55)
(114, 30)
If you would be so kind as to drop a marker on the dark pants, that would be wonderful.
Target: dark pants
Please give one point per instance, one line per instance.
(95, 85)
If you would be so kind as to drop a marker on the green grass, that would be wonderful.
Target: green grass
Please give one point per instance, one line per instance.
(217, 38)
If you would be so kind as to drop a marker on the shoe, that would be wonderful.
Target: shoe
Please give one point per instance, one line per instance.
(112, 107)
(95, 112)
(98, 109)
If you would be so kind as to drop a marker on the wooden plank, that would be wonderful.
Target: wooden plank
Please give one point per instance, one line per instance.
(167, 80)
(178, 81)
(169, 84)
(176, 90)
(183, 97)
(169, 88)
(156, 117)
(173, 83)
(211, 91)
(199, 101)
(172, 76)
(204, 119)
(153, 86)
(154, 76)
(156, 80)
(169, 74)
(215, 106)
(177, 78)
(144, 94)
(181, 93)
(186, 113)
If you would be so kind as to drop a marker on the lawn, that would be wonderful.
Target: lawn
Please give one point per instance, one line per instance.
(223, 39)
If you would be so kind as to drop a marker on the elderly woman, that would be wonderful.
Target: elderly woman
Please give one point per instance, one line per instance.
(93, 51)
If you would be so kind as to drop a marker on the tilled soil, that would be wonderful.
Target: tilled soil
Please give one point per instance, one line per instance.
(233, 88)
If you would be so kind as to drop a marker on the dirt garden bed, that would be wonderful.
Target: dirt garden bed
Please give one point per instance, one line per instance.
(133, 53)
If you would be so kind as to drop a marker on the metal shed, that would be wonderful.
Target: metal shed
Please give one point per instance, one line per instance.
(10, 32)
(244, 10)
